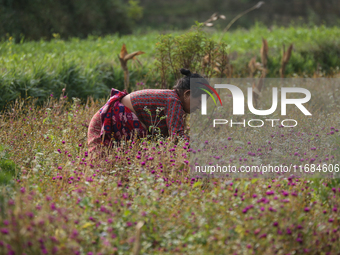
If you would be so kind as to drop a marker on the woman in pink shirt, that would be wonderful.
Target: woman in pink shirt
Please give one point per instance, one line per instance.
(125, 114)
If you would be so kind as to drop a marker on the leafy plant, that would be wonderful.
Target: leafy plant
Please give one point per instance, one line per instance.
(188, 50)
(8, 169)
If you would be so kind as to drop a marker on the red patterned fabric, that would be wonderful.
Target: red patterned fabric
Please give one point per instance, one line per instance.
(113, 122)
(160, 98)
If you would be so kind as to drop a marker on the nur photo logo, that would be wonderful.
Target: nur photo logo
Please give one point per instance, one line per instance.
(238, 105)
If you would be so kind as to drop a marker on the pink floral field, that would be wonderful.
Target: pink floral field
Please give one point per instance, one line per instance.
(141, 198)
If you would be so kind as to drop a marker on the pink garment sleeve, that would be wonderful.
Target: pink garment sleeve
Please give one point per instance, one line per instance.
(174, 120)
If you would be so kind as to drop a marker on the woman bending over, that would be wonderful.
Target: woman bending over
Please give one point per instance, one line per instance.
(125, 114)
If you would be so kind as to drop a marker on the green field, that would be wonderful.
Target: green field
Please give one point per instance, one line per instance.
(91, 67)
(141, 198)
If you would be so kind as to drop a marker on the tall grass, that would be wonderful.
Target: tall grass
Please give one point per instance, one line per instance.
(67, 202)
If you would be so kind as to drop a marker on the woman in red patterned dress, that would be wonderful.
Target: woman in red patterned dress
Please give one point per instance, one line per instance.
(125, 114)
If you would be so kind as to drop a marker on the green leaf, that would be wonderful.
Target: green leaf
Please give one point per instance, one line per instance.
(69, 116)
(126, 213)
(197, 184)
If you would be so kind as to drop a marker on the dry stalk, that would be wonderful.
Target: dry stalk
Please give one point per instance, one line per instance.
(257, 6)
(136, 246)
(254, 66)
(124, 57)
(264, 52)
(285, 58)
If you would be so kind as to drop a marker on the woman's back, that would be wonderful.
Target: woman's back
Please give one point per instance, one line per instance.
(165, 99)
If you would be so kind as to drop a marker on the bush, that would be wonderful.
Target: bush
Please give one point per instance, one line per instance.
(189, 50)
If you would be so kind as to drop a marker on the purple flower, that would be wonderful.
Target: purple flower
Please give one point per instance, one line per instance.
(289, 232)
(285, 193)
(53, 207)
(299, 240)
(307, 209)
(270, 192)
(4, 231)
(74, 233)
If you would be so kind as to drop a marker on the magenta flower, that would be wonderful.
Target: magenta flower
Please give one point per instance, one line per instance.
(53, 207)
(4, 231)
(285, 193)
(270, 192)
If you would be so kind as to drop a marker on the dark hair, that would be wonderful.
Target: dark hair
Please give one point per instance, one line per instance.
(183, 83)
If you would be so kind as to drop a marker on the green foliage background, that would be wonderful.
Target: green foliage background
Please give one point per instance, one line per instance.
(91, 67)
